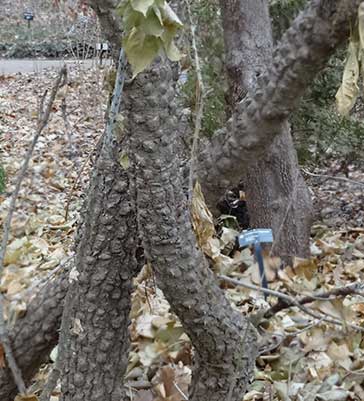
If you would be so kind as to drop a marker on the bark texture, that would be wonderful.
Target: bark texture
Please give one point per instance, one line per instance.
(95, 336)
(110, 23)
(224, 341)
(35, 335)
(277, 196)
(260, 117)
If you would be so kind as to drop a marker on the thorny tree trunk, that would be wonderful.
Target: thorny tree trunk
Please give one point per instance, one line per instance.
(98, 302)
(277, 196)
(95, 337)
(224, 341)
(303, 51)
(36, 334)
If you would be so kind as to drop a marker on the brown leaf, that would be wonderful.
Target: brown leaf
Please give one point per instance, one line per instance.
(26, 397)
(2, 357)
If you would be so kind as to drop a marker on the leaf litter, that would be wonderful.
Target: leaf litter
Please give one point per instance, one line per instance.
(301, 358)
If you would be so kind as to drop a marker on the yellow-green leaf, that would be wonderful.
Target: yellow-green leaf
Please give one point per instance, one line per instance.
(140, 49)
(124, 160)
(131, 18)
(348, 92)
(361, 24)
(172, 51)
(158, 13)
(170, 17)
(151, 25)
(142, 5)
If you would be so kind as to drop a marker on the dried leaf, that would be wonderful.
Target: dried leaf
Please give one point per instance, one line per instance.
(26, 397)
(2, 357)
(348, 92)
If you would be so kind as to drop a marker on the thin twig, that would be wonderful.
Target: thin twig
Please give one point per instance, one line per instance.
(78, 178)
(182, 394)
(291, 302)
(116, 96)
(200, 95)
(5, 342)
(321, 296)
(51, 383)
(44, 114)
(330, 177)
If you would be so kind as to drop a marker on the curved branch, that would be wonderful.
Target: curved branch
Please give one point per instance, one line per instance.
(261, 116)
(35, 335)
(303, 51)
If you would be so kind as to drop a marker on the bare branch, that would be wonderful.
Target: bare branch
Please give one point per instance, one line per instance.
(350, 289)
(289, 301)
(200, 94)
(330, 177)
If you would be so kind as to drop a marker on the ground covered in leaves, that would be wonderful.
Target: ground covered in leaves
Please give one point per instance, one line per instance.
(58, 29)
(311, 353)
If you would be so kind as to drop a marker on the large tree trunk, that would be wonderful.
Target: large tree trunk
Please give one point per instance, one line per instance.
(277, 196)
(181, 269)
(36, 334)
(95, 333)
(224, 341)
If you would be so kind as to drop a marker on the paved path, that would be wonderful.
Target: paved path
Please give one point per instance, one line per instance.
(13, 66)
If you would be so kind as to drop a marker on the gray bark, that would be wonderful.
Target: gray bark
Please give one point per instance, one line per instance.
(110, 23)
(277, 196)
(222, 367)
(224, 341)
(95, 338)
(260, 117)
(96, 320)
(35, 334)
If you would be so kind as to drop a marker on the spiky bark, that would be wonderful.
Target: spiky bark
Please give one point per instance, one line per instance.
(257, 119)
(95, 336)
(224, 341)
(35, 334)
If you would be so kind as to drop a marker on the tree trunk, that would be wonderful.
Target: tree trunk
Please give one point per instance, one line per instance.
(261, 116)
(95, 335)
(224, 341)
(277, 196)
(35, 335)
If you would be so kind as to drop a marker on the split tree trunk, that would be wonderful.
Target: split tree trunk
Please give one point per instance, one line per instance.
(224, 341)
(304, 49)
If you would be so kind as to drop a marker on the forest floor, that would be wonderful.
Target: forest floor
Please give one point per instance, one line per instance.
(302, 357)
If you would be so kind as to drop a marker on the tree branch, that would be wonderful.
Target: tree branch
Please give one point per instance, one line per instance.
(303, 51)
(261, 115)
(286, 301)
(36, 334)
(110, 23)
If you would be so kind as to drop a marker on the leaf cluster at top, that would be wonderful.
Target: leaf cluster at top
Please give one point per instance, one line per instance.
(149, 29)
